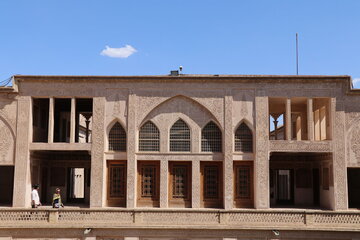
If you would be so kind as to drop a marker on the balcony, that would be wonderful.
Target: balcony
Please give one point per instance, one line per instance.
(181, 219)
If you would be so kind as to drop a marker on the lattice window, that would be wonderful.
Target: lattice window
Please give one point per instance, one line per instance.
(117, 138)
(211, 139)
(243, 182)
(243, 139)
(117, 176)
(211, 182)
(180, 137)
(180, 181)
(149, 138)
(148, 180)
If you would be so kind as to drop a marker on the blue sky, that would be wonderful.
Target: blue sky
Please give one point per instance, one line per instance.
(153, 37)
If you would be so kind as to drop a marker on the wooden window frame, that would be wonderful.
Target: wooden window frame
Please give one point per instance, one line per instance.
(180, 202)
(153, 201)
(238, 201)
(211, 202)
(116, 201)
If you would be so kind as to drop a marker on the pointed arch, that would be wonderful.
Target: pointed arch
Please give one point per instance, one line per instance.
(211, 138)
(117, 138)
(198, 106)
(149, 137)
(243, 138)
(180, 139)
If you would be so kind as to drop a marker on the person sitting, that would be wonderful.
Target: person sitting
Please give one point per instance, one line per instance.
(56, 202)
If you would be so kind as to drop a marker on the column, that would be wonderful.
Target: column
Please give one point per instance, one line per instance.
(22, 177)
(288, 119)
(51, 121)
(164, 177)
(228, 154)
(98, 189)
(131, 149)
(72, 120)
(261, 164)
(310, 119)
(195, 188)
(339, 160)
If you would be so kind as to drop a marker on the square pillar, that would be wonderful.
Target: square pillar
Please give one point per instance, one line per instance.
(195, 188)
(131, 150)
(164, 178)
(51, 121)
(261, 164)
(228, 174)
(72, 120)
(288, 119)
(339, 160)
(310, 119)
(98, 181)
(22, 178)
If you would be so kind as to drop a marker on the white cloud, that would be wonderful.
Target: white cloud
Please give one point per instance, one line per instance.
(356, 82)
(123, 52)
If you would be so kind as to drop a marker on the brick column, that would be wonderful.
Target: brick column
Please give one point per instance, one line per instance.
(228, 154)
(72, 120)
(310, 119)
(22, 178)
(339, 161)
(164, 169)
(288, 119)
(98, 189)
(261, 164)
(131, 149)
(51, 121)
(195, 188)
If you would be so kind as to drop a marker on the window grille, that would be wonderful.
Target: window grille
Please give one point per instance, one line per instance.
(180, 181)
(148, 181)
(180, 137)
(211, 140)
(117, 180)
(243, 139)
(117, 138)
(211, 182)
(149, 138)
(243, 184)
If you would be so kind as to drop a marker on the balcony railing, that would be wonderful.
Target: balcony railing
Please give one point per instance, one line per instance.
(174, 218)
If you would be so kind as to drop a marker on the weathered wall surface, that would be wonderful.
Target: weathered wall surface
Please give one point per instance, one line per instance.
(8, 108)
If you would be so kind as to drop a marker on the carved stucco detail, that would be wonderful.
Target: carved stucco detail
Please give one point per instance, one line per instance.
(300, 146)
(6, 144)
(243, 105)
(116, 104)
(213, 101)
(353, 142)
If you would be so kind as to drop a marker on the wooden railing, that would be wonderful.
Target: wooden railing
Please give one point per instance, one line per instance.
(175, 218)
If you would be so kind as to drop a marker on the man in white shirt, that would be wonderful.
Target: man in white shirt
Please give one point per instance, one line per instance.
(35, 199)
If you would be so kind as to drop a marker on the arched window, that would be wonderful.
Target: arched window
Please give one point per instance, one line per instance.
(179, 137)
(149, 138)
(243, 139)
(117, 138)
(211, 140)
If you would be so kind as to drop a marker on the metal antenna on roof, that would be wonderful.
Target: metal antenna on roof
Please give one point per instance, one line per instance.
(297, 55)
